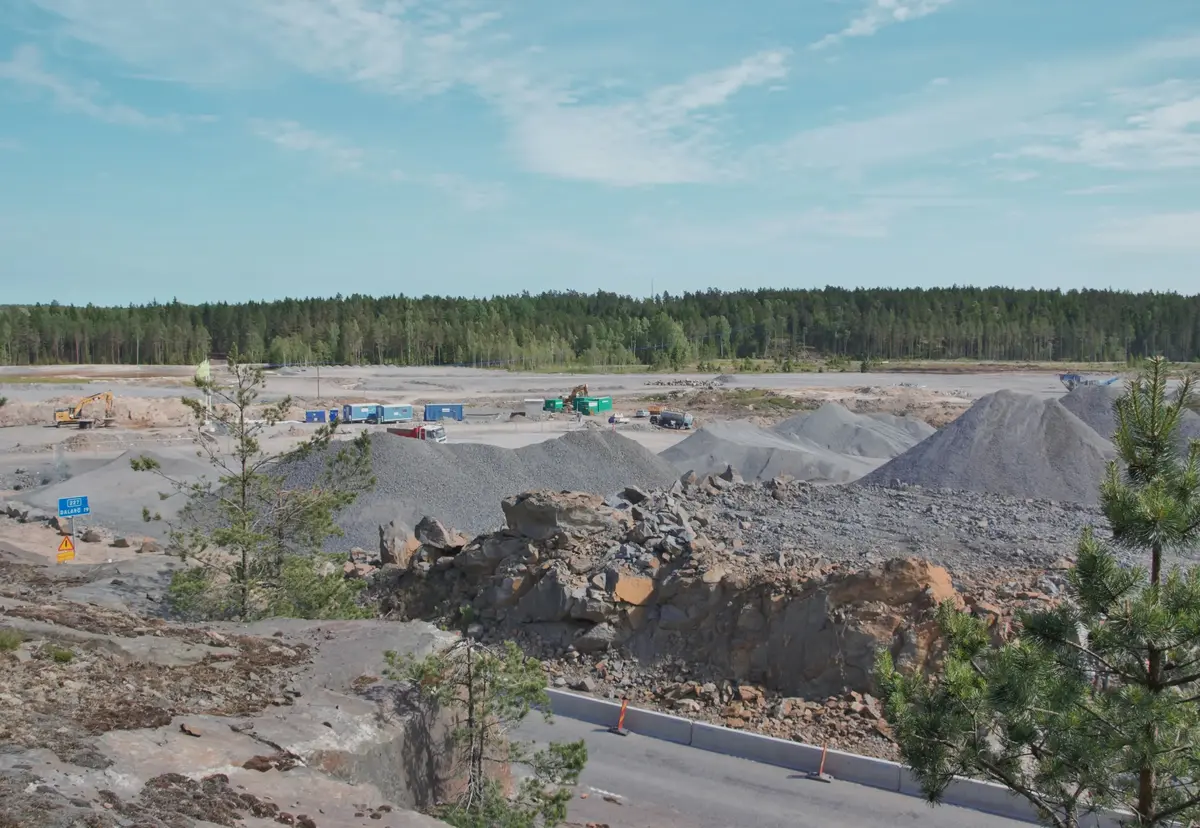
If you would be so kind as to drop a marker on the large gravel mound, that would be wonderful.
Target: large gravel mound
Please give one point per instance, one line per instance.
(1094, 405)
(760, 454)
(116, 493)
(462, 484)
(1008, 443)
(838, 429)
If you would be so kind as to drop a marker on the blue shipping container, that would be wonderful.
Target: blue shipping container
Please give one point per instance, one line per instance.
(395, 413)
(443, 411)
(367, 413)
(333, 415)
(314, 416)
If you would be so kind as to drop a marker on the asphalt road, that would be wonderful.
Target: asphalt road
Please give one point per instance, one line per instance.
(635, 782)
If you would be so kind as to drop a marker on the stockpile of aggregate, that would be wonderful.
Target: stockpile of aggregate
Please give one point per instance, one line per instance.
(829, 445)
(1094, 405)
(838, 429)
(1010, 444)
(760, 454)
(462, 484)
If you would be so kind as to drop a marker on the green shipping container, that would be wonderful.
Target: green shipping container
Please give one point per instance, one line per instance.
(604, 403)
(552, 405)
(587, 405)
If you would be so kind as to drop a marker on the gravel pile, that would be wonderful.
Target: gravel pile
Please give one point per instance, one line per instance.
(760, 454)
(117, 494)
(838, 429)
(829, 445)
(1094, 405)
(462, 484)
(1010, 444)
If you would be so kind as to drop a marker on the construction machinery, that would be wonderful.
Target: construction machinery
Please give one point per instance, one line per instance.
(1073, 381)
(556, 404)
(73, 415)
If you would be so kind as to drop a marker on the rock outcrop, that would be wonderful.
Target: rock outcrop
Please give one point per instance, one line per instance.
(641, 575)
(114, 718)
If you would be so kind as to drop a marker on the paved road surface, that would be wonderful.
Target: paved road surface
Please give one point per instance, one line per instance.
(664, 785)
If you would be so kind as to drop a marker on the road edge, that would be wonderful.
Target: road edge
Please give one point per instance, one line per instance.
(975, 795)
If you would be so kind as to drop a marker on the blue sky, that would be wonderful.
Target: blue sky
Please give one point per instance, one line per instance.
(229, 149)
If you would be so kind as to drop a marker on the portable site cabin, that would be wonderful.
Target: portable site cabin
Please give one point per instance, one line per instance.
(395, 413)
(318, 416)
(553, 405)
(360, 413)
(534, 408)
(443, 411)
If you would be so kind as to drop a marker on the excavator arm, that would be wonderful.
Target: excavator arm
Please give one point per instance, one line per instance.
(74, 414)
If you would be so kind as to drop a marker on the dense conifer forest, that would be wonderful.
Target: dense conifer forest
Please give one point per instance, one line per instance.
(605, 329)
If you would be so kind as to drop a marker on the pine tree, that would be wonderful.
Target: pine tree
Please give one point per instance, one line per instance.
(1096, 702)
(255, 540)
(489, 690)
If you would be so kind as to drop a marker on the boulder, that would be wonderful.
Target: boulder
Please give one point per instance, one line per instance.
(596, 640)
(150, 546)
(550, 599)
(543, 515)
(91, 535)
(121, 543)
(432, 533)
(396, 544)
(483, 556)
(631, 589)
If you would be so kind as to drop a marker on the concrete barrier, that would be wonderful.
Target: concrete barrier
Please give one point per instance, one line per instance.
(863, 770)
(985, 797)
(607, 713)
(766, 749)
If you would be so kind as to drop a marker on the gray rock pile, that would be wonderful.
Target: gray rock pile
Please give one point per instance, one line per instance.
(1011, 444)
(829, 445)
(462, 484)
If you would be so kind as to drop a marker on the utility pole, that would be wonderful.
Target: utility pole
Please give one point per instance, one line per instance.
(318, 382)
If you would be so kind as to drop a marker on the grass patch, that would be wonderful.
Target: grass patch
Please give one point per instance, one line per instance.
(34, 379)
(764, 400)
(62, 655)
(10, 640)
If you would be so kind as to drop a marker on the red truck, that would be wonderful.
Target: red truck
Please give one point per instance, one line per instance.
(432, 432)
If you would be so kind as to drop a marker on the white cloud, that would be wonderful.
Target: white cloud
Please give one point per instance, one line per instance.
(426, 47)
(1162, 132)
(881, 13)
(1015, 105)
(293, 137)
(9, 145)
(26, 69)
(662, 138)
(471, 195)
(1016, 176)
(1162, 232)
(344, 157)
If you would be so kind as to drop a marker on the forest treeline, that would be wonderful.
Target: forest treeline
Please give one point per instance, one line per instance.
(566, 329)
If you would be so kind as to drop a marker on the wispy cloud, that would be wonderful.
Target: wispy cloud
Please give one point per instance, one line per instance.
(342, 156)
(293, 137)
(666, 137)
(1161, 232)
(1016, 176)
(1160, 133)
(26, 69)
(425, 47)
(881, 13)
(9, 145)
(1019, 105)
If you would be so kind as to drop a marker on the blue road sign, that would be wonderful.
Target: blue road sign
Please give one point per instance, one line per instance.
(73, 506)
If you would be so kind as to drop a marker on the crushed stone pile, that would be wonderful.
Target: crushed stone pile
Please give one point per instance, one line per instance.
(462, 484)
(1010, 444)
(829, 445)
(1094, 405)
(837, 428)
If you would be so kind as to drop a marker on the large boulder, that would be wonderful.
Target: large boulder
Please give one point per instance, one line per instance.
(543, 515)
(396, 544)
(432, 533)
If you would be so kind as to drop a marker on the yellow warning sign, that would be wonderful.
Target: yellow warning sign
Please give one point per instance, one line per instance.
(66, 550)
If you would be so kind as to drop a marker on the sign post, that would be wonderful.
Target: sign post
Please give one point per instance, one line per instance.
(66, 550)
(71, 508)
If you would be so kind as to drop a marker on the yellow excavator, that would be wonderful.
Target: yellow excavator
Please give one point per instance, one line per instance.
(577, 391)
(73, 416)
